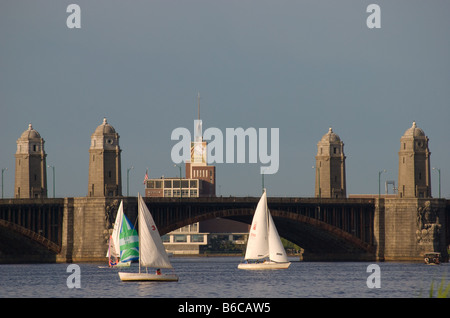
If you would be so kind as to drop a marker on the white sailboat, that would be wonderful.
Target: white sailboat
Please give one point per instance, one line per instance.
(151, 250)
(264, 247)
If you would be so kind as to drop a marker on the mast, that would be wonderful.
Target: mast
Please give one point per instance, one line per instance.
(139, 223)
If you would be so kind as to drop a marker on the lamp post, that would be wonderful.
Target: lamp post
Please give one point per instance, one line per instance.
(3, 170)
(379, 181)
(128, 180)
(181, 192)
(53, 167)
(439, 173)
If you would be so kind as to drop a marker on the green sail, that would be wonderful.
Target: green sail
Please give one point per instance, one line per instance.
(129, 241)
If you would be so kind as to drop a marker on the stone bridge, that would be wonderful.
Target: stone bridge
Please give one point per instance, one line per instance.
(372, 229)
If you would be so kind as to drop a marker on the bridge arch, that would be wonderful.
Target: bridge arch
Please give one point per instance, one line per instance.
(315, 236)
(22, 244)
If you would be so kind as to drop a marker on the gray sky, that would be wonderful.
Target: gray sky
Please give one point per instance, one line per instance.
(300, 66)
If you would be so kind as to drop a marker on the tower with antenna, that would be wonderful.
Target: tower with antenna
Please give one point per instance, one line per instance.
(197, 167)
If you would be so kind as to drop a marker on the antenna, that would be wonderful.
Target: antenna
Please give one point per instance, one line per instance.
(198, 101)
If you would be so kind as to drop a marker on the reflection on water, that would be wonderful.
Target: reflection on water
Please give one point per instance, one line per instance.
(218, 277)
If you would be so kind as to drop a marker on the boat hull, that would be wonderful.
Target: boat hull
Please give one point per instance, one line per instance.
(125, 276)
(119, 265)
(263, 266)
(123, 264)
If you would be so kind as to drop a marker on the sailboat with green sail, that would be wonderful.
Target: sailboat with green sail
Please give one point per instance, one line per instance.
(151, 252)
(124, 241)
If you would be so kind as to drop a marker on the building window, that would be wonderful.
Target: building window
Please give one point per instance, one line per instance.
(198, 238)
(180, 238)
(152, 184)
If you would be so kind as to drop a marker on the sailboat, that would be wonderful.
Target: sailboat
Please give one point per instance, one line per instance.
(123, 242)
(112, 255)
(151, 250)
(264, 247)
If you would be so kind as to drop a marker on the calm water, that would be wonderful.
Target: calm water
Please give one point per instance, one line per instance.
(219, 278)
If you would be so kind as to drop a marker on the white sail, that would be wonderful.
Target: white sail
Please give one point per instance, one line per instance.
(277, 251)
(112, 256)
(151, 249)
(116, 231)
(115, 246)
(257, 244)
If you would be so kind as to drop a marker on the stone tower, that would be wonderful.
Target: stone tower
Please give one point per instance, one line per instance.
(105, 176)
(414, 164)
(330, 167)
(31, 169)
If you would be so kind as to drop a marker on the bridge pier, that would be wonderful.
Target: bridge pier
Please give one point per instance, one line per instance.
(86, 227)
(404, 229)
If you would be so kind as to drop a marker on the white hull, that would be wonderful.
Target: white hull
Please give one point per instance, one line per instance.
(265, 265)
(124, 276)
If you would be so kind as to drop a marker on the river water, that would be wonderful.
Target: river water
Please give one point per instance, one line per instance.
(218, 277)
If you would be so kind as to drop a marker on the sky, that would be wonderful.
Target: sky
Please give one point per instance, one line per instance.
(296, 65)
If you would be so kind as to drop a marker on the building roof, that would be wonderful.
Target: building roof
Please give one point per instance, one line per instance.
(414, 131)
(330, 137)
(30, 133)
(104, 128)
